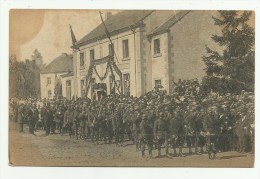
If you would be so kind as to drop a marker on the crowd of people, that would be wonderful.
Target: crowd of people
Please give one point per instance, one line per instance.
(185, 118)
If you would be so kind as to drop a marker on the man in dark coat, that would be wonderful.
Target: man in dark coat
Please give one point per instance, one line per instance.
(58, 117)
(48, 120)
(21, 116)
(68, 120)
(161, 130)
(136, 129)
(197, 126)
(117, 123)
(76, 121)
(146, 135)
(177, 132)
(32, 115)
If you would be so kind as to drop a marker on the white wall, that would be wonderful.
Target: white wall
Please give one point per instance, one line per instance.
(64, 86)
(46, 87)
(127, 65)
(159, 62)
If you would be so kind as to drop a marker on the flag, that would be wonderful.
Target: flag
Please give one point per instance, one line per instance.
(73, 38)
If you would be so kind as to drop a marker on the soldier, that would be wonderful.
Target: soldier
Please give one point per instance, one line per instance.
(48, 119)
(188, 131)
(100, 125)
(136, 130)
(21, 117)
(197, 126)
(43, 113)
(117, 123)
(241, 131)
(108, 127)
(68, 120)
(75, 117)
(177, 126)
(173, 133)
(146, 134)
(59, 116)
(160, 130)
(252, 137)
(35, 118)
(82, 122)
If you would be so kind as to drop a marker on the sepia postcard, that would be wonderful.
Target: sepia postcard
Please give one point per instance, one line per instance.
(132, 88)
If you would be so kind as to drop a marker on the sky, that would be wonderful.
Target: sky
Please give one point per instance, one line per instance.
(48, 31)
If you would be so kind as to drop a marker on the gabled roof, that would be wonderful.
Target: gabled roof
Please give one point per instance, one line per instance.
(115, 24)
(63, 63)
(169, 23)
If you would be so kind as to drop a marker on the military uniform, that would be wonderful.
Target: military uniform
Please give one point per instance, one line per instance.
(117, 123)
(82, 118)
(75, 117)
(177, 132)
(21, 117)
(68, 120)
(197, 126)
(146, 135)
(48, 120)
(136, 130)
(161, 130)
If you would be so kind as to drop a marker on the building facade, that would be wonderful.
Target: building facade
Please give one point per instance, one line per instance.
(151, 48)
(55, 78)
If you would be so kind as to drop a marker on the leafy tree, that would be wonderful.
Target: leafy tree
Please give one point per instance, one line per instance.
(38, 58)
(231, 70)
(24, 78)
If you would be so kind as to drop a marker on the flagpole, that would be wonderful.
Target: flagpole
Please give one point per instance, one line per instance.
(108, 35)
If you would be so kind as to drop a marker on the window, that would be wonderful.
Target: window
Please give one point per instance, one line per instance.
(49, 93)
(48, 81)
(111, 49)
(126, 78)
(68, 83)
(157, 83)
(125, 49)
(82, 59)
(156, 46)
(92, 54)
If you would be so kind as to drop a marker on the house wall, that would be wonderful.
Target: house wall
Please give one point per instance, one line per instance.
(159, 62)
(64, 86)
(187, 42)
(45, 87)
(182, 48)
(149, 61)
(128, 65)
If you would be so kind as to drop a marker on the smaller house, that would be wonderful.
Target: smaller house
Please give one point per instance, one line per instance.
(56, 78)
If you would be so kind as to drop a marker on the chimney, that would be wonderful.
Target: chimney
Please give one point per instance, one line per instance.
(108, 15)
(27, 61)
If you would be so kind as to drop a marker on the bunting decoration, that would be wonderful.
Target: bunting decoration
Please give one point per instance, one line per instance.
(105, 75)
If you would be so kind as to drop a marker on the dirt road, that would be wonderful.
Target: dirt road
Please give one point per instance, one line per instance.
(57, 150)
